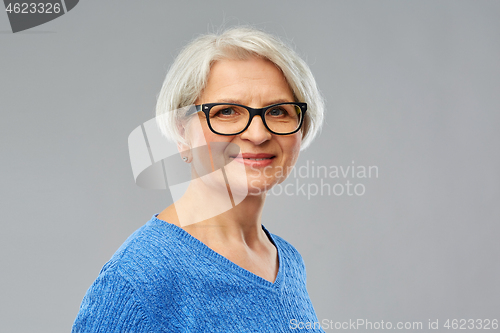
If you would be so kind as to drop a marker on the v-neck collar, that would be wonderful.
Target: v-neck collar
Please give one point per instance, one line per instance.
(188, 239)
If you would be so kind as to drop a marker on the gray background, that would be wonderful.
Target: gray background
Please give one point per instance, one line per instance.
(411, 87)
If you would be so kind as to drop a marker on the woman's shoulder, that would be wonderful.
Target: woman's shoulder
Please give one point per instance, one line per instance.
(153, 247)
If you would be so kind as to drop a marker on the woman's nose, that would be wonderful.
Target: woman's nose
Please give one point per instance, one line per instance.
(257, 133)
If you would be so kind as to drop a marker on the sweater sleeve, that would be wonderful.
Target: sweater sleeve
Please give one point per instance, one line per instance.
(109, 306)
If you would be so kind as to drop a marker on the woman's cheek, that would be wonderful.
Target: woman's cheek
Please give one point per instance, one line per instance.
(293, 149)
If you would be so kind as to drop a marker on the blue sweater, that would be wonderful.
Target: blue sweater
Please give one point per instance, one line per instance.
(162, 279)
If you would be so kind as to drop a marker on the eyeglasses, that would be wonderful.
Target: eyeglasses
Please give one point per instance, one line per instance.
(233, 119)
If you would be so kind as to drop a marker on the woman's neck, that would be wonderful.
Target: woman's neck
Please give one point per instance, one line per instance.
(225, 223)
(236, 233)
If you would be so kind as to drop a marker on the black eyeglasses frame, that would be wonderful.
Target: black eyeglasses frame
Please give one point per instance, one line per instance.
(205, 108)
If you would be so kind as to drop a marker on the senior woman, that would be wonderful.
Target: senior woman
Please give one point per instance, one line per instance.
(240, 106)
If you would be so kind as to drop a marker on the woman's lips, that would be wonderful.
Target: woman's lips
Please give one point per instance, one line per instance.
(254, 160)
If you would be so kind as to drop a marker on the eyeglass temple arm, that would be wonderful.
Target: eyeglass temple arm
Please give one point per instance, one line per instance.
(192, 110)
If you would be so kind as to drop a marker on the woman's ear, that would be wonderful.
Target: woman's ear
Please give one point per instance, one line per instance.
(184, 147)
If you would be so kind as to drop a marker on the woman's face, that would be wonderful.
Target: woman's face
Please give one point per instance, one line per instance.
(265, 158)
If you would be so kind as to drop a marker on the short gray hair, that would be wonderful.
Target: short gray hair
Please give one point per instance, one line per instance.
(188, 76)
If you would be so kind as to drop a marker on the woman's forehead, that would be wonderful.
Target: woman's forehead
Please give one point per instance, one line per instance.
(240, 81)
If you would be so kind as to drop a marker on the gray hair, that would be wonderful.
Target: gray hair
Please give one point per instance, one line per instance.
(188, 76)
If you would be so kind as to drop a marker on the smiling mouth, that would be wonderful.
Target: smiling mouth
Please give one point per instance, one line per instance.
(254, 157)
(257, 159)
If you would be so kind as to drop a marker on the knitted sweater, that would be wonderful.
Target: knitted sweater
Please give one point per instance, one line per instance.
(162, 279)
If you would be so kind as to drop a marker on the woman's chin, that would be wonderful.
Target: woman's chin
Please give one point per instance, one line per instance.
(256, 187)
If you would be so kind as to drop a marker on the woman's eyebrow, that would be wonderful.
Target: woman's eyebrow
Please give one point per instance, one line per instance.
(277, 101)
(235, 101)
(227, 100)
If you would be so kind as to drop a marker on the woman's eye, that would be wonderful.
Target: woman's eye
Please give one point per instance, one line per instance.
(226, 112)
(276, 112)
